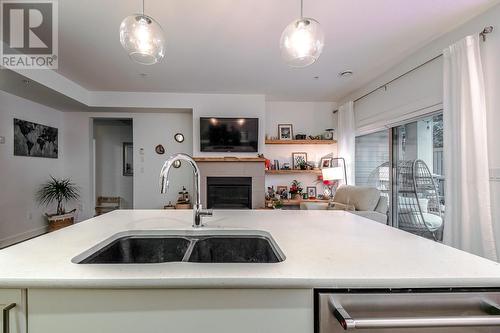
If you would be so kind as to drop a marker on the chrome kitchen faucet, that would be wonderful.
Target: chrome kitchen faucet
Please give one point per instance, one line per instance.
(198, 211)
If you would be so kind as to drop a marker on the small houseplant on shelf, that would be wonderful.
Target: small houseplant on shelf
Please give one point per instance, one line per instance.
(296, 190)
(60, 191)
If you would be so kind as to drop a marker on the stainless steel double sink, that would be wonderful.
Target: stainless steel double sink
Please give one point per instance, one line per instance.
(195, 246)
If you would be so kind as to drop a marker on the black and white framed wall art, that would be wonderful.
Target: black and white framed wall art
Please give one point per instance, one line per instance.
(35, 140)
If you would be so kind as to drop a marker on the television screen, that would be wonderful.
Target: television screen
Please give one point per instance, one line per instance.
(229, 135)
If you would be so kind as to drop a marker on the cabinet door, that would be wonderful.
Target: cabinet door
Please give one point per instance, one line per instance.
(162, 311)
(16, 314)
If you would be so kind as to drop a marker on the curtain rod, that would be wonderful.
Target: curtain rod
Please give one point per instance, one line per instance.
(486, 30)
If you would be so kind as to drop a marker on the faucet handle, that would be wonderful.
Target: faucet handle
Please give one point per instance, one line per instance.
(206, 212)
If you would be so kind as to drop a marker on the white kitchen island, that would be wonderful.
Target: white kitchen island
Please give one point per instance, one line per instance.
(323, 249)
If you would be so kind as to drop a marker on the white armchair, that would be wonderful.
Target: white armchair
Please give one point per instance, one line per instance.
(360, 200)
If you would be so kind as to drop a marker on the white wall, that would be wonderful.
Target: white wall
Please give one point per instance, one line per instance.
(109, 137)
(20, 215)
(150, 129)
(311, 118)
(413, 92)
(202, 105)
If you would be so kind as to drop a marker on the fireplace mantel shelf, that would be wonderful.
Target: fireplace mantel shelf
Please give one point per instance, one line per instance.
(229, 159)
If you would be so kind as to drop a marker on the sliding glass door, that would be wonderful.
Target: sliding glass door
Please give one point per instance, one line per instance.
(372, 163)
(406, 164)
(418, 185)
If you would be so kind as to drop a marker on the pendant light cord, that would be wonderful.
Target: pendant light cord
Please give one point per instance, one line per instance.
(301, 9)
(142, 7)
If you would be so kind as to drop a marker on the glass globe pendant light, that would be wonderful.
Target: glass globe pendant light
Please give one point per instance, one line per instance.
(302, 41)
(142, 38)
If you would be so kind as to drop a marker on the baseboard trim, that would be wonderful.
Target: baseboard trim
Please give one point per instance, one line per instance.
(14, 239)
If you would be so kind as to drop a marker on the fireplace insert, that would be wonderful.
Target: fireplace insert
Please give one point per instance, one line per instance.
(229, 192)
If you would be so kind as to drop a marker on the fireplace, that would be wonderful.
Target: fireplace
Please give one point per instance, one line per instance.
(229, 192)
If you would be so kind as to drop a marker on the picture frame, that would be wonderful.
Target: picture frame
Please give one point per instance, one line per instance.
(311, 192)
(285, 131)
(35, 140)
(297, 159)
(128, 164)
(326, 162)
(281, 189)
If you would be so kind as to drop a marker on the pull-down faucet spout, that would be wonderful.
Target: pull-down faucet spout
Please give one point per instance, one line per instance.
(198, 211)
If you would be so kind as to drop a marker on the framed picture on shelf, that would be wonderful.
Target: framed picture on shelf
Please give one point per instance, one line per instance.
(311, 192)
(285, 131)
(325, 163)
(281, 189)
(299, 160)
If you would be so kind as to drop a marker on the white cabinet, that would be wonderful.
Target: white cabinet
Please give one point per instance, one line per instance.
(170, 310)
(13, 303)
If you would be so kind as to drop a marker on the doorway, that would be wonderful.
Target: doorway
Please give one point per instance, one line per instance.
(113, 164)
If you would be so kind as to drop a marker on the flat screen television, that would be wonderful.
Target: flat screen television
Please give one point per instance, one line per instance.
(229, 135)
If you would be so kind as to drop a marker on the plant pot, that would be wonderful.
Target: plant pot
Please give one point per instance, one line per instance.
(296, 196)
(57, 222)
(183, 206)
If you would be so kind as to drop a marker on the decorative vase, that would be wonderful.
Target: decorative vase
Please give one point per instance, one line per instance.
(296, 196)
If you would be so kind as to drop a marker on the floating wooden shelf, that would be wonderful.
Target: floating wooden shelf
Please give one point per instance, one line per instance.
(229, 159)
(300, 142)
(289, 172)
(297, 202)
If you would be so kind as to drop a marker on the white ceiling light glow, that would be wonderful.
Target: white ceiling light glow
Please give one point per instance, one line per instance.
(302, 41)
(142, 38)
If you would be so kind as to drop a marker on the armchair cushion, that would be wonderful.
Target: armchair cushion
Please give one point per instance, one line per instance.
(433, 222)
(363, 198)
(374, 216)
(340, 206)
(382, 205)
(409, 204)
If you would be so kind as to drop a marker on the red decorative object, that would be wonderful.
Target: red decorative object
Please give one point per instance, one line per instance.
(326, 182)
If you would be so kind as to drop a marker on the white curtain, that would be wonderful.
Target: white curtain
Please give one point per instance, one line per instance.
(468, 222)
(346, 138)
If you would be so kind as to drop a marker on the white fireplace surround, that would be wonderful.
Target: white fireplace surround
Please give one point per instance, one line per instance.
(253, 168)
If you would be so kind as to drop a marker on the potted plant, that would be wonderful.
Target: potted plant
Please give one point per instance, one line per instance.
(277, 204)
(296, 190)
(60, 191)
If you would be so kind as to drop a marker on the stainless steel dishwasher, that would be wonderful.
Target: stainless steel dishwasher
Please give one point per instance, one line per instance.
(408, 311)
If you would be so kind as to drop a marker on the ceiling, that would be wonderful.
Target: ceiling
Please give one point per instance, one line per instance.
(232, 46)
(16, 84)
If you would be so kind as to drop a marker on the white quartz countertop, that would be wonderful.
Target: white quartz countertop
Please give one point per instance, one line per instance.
(323, 249)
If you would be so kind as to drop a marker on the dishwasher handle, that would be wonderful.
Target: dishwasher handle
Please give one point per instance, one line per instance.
(349, 323)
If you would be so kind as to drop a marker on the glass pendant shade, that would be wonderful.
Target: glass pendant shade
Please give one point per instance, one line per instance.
(143, 39)
(302, 42)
